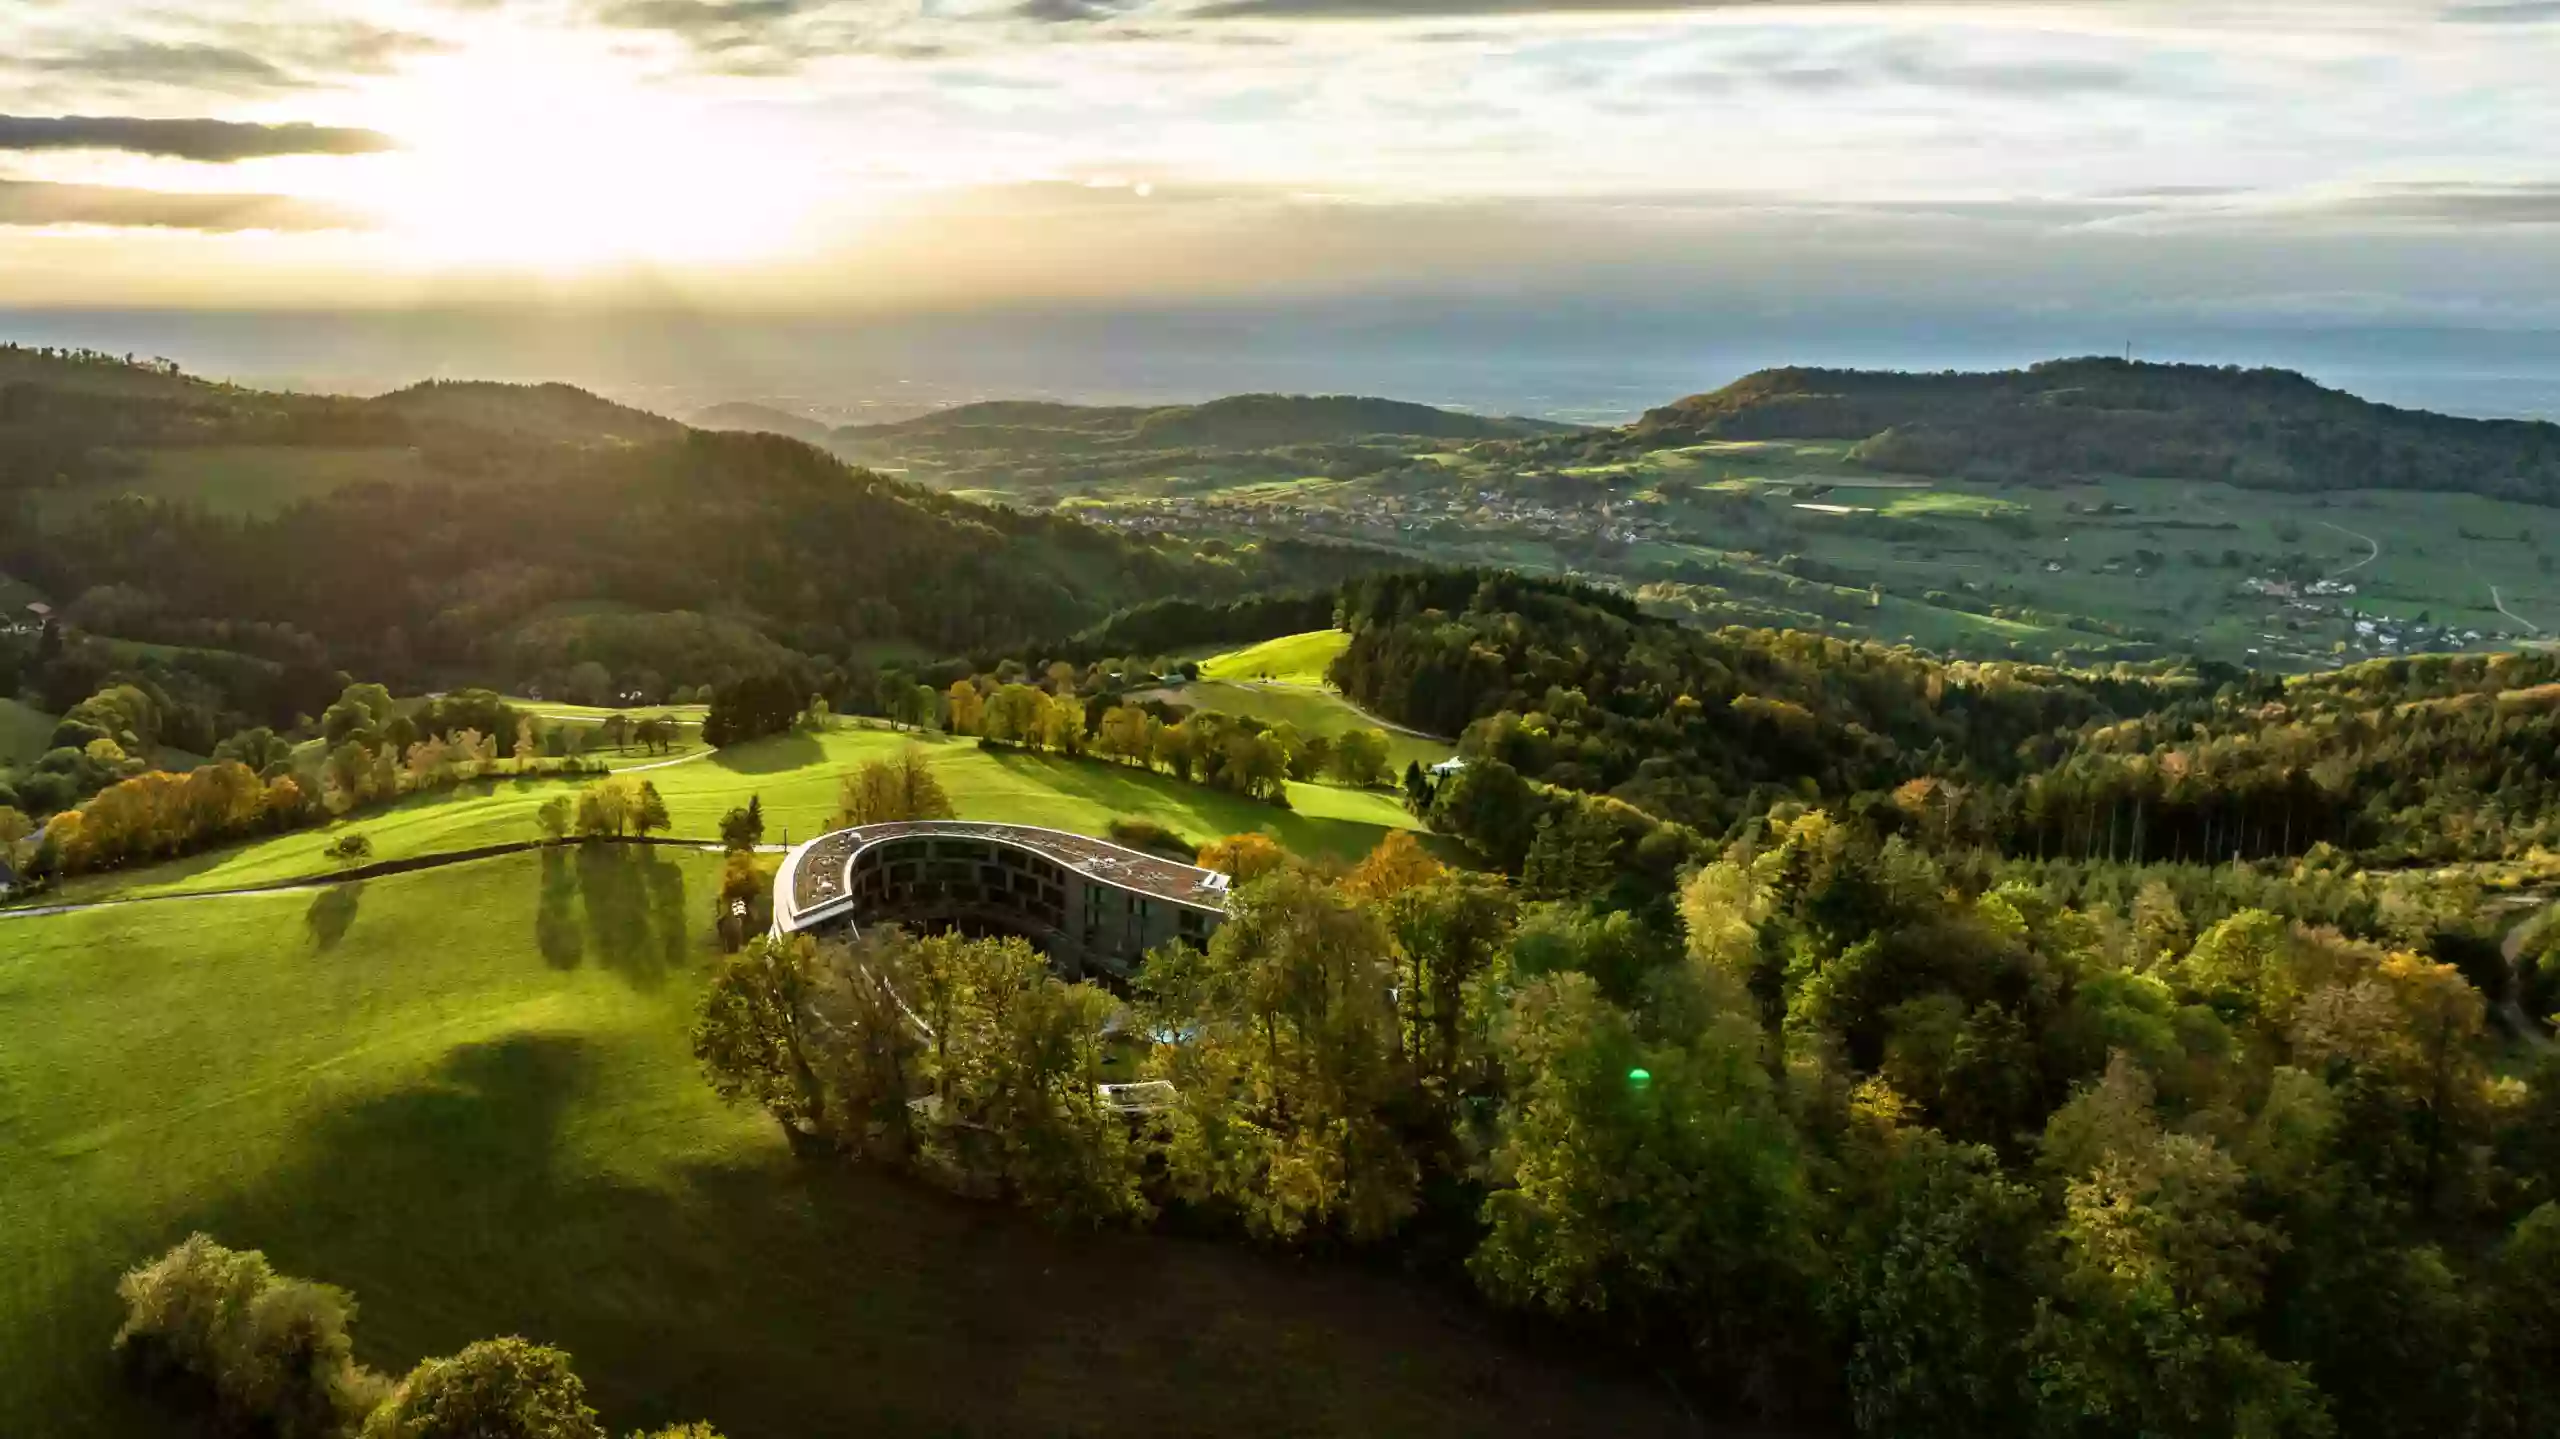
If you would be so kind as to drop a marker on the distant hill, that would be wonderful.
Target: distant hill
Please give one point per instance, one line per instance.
(511, 498)
(2268, 429)
(1238, 422)
(762, 419)
(550, 412)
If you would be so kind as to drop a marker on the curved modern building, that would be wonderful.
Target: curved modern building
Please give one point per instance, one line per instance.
(1090, 905)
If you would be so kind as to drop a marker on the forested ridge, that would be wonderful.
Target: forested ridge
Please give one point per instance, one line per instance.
(2430, 759)
(539, 496)
(2263, 428)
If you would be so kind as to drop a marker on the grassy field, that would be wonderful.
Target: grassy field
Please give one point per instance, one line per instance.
(797, 777)
(465, 1094)
(23, 732)
(1289, 660)
(1312, 711)
(239, 480)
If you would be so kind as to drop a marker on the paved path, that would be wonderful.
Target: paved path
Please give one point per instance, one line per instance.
(411, 865)
(2511, 614)
(2376, 550)
(2513, 1013)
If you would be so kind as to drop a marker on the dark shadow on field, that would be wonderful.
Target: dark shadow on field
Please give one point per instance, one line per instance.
(633, 900)
(331, 911)
(778, 1297)
(623, 904)
(555, 919)
(1125, 789)
(774, 754)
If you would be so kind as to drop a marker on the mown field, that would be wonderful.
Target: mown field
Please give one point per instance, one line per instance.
(2119, 567)
(1299, 659)
(797, 778)
(239, 479)
(23, 732)
(1312, 711)
(466, 1095)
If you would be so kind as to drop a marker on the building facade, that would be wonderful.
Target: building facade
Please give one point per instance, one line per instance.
(1092, 906)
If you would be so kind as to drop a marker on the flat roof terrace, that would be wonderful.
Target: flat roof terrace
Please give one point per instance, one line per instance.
(819, 869)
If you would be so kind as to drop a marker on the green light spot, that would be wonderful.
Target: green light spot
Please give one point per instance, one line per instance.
(1639, 1077)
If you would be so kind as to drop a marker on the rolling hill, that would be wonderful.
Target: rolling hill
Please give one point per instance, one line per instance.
(739, 415)
(413, 535)
(1237, 422)
(2264, 429)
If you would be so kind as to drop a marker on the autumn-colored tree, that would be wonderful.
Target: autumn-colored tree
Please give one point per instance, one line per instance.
(1244, 857)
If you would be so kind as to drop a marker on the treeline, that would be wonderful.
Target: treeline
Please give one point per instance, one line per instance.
(2424, 760)
(367, 752)
(1574, 687)
(1848, 1140)
(219, 1332)
(2262, 428)
(1236, 753)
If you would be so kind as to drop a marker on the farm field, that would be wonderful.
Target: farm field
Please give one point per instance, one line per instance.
(23, 732)
(466, 1095)
(1790, 532)
(796, 775)
(239, 479)
(1298, 659)
(1312, 711)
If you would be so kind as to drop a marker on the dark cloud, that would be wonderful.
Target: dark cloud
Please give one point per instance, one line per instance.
(2452, 204)
(25, 202)
(736, 37)
(1428, 9)
(2515, 12)
(1056, 12)
(243, 59)
(151, 62)
(213, 141)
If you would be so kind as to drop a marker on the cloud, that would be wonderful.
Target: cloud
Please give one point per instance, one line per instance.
(25, 202)
(739, 36)
(1427, 9)
(2453, 204)
(243, 59)
(2514, 12)
(1056, 12)
(213, 141)
(152, 62)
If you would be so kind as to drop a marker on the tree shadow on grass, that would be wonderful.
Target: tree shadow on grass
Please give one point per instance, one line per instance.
(775, 754)
(332, 910)
(1207, 814)
(774, 1297)
(633, 902)
(556, 931)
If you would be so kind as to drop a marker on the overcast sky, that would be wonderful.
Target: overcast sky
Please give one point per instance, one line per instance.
(2378, 162)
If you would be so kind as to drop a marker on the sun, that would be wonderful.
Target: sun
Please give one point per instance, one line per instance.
(547, 159)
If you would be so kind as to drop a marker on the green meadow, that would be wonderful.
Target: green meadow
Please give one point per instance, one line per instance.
(1290, 660)
(23, 732)
(1312, 711)
(797, 778)
(466, 1095)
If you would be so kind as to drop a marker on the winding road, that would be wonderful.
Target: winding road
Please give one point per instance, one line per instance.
(2375, 554)
(2511, 614)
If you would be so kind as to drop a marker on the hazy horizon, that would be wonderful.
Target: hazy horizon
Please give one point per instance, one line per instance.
(1585, 365)
(1640, 197)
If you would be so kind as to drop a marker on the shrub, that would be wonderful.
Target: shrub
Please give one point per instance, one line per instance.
(1147, 834)
(495, 1389)
(271, 1352)
(351, 847)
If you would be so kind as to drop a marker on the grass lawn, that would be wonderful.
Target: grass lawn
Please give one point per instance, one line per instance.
(797, 777)
(466, 1095)
(239, 480)
(1290, 660)
(1312, 711)
(23, 732)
